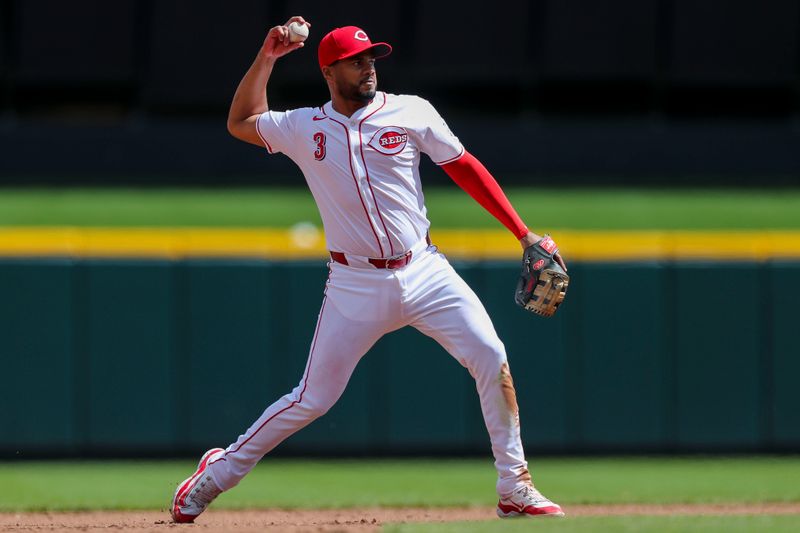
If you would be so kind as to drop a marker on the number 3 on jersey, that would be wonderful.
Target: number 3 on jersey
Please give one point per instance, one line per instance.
(319, 153)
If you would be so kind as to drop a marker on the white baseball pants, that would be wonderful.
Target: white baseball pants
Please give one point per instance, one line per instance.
(360, 306)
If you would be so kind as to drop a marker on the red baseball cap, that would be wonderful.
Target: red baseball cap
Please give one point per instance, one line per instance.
(347, 42)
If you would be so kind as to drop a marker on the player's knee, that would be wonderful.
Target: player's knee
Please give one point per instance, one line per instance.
(316, 407)
(495, 355)
(487, 347)
(496, 351)
(487, 358)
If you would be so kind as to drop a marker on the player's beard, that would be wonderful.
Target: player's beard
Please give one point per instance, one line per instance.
(367, 96)
(359, 95)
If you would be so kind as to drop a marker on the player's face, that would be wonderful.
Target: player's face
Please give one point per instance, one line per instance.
(355, 78)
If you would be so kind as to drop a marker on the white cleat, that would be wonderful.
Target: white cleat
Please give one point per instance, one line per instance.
(527, 501)
(195, 493)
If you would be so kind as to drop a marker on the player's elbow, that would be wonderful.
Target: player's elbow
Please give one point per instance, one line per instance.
(234, 128)
(245, 130)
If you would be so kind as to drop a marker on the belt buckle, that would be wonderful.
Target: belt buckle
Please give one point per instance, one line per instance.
(398, 261)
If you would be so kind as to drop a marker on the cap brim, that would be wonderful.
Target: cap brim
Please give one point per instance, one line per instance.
(380, 49)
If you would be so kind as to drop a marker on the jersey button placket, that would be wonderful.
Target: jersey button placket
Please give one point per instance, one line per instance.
(364, 185)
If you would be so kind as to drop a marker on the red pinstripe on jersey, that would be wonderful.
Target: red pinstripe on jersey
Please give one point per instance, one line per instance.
(258, 130)
(355, 181)
(366, 171)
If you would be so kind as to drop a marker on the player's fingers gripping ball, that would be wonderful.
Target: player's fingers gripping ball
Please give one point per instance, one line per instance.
(543, 284)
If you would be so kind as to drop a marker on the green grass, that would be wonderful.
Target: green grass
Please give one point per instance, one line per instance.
(434, 483)
(616, 524)
(449, 207)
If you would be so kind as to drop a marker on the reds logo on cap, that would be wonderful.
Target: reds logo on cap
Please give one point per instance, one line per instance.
(389, 140)
(348, 41)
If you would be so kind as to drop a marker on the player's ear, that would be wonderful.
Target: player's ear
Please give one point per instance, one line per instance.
(327, 73)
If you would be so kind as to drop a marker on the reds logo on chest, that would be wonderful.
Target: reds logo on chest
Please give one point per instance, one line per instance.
(390, 140)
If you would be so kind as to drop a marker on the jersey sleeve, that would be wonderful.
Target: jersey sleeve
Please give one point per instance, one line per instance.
(433, 136)
(277, 130)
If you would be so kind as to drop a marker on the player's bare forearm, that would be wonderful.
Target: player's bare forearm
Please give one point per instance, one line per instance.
(250, 99)
(251, 94)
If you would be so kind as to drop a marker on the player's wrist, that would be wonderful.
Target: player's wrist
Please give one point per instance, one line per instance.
(265, 55)
(529, 239)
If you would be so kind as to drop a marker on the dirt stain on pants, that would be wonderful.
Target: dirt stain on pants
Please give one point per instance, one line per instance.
(508, 390)
(510, 395)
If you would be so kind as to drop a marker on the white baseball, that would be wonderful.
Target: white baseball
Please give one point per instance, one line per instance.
(297, 32)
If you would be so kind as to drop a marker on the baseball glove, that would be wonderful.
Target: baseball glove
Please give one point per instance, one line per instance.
(542, 285)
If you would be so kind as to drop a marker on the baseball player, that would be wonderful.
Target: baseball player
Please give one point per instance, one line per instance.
(360, 155)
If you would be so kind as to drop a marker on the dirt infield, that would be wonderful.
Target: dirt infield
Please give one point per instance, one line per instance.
(340, 520)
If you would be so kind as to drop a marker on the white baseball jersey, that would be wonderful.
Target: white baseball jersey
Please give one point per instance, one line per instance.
(363, 170)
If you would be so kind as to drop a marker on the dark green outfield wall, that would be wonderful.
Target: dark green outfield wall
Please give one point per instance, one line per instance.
(173, 357)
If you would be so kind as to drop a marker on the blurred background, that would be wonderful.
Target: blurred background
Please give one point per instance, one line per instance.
(122, 333)
(627, 91)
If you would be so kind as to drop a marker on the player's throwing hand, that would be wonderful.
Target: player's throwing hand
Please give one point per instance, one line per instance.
(277, 43)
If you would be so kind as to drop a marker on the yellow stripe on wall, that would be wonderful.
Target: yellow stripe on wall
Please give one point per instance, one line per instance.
(307, 242)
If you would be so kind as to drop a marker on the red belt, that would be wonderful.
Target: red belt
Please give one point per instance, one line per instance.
(391, 263)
